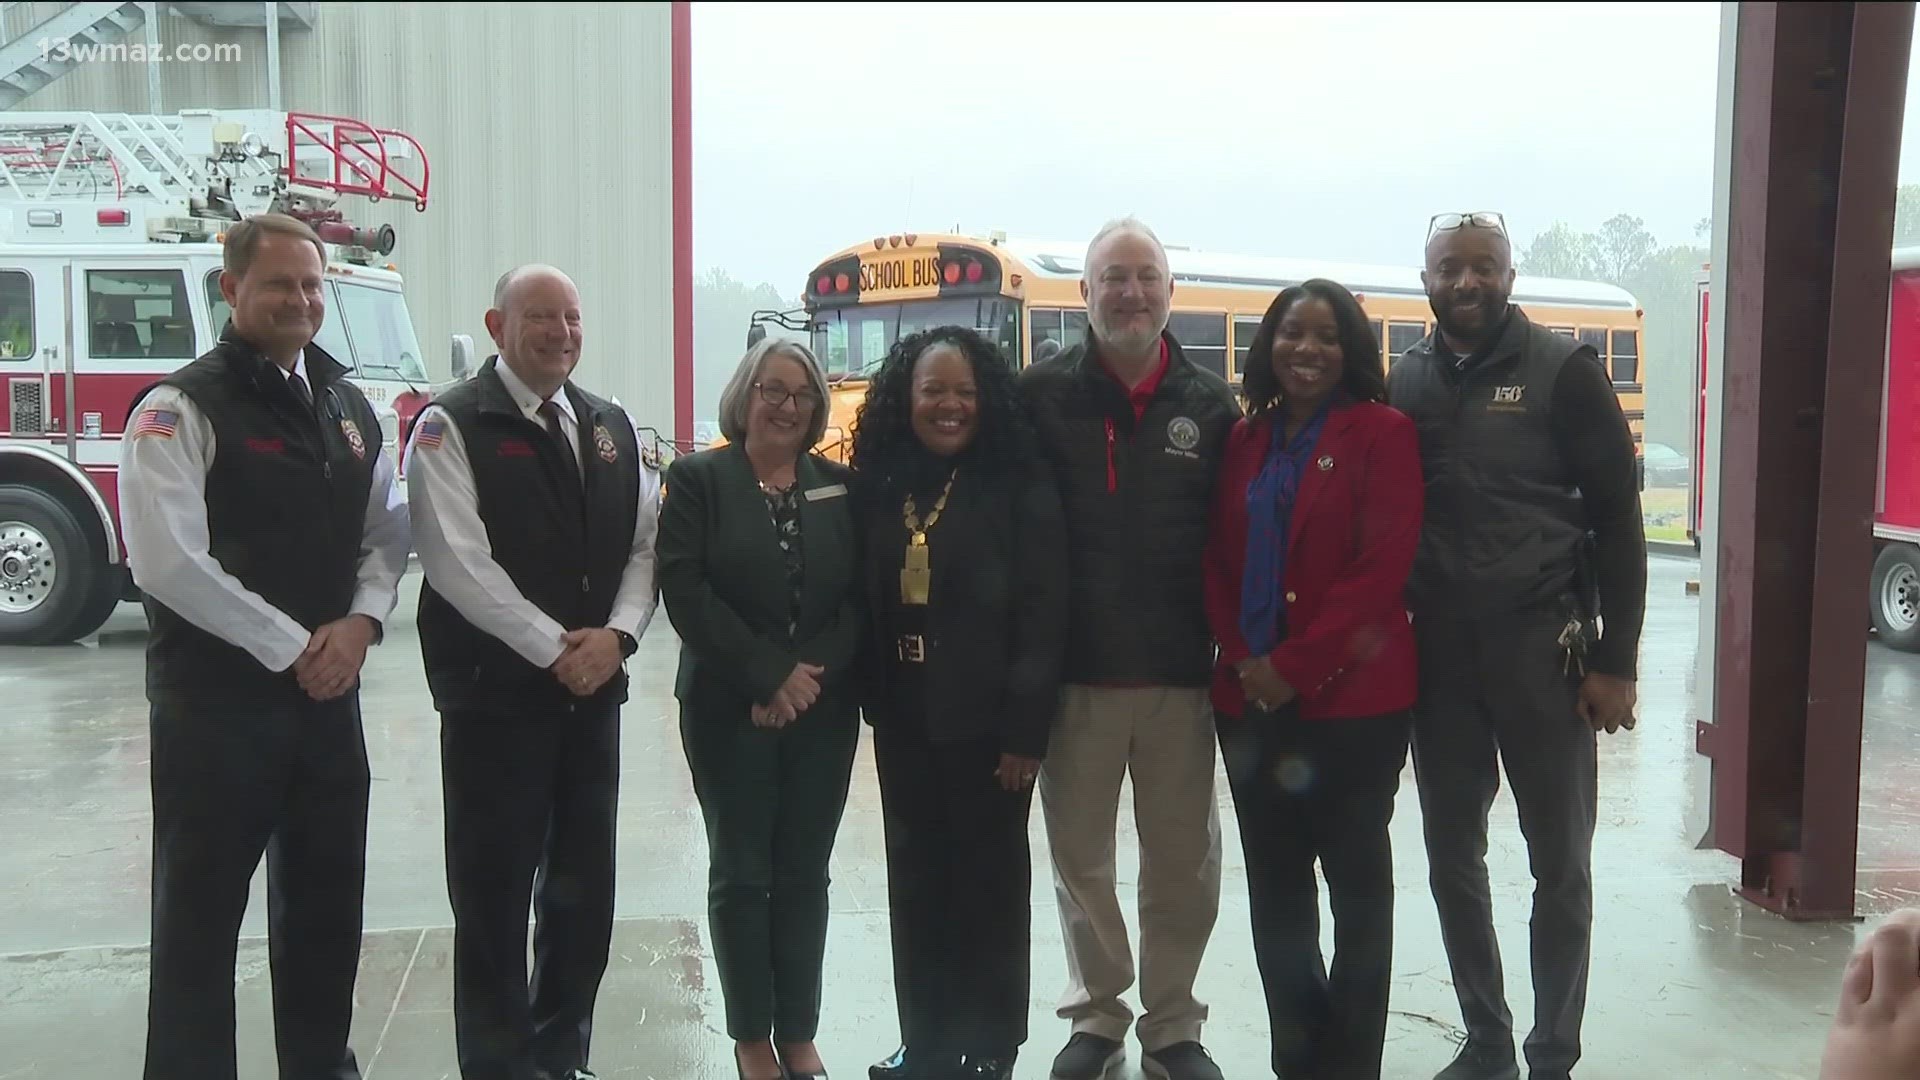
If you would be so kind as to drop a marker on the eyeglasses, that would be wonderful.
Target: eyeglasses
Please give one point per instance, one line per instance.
(1485, 219)
(777, 396)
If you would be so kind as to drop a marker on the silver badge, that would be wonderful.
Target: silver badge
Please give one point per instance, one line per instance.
(1326, 462)
(1183, 433)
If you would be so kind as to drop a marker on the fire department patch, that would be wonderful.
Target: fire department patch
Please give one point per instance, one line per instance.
(603, 440)
(354, 441)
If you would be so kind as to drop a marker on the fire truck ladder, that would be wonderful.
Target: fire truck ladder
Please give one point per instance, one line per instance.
(47, 157)
(206, 163)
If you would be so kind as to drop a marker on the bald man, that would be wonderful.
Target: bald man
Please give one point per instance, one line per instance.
(1528, 596)
(535, 517)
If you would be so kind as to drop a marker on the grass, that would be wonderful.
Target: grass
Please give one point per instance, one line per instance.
(1665, 512)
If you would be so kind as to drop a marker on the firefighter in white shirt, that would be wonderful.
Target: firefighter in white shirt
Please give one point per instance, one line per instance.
(266, 532)
(534, 519)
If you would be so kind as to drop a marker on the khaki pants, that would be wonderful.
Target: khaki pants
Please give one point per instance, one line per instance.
(1165, 738)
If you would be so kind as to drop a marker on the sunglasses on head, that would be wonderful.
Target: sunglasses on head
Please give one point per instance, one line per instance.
(1485, 219)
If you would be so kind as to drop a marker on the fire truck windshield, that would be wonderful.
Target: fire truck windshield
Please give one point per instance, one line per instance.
(382, 333)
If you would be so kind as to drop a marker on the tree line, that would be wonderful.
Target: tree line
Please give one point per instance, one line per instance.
(1662, 277)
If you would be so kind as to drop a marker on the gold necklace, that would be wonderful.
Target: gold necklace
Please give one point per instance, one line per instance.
(916, 577)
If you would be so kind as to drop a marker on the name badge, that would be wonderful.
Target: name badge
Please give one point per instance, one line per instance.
(831, 491)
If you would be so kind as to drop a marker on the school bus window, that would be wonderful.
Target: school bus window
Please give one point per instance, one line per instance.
(1626, 356)
(1379, 331)
(16, 315)
(1203, 337)
(1043, 326)
(1595, 336)
(1402, 336)
(1073, 328)
(1564, 331)
(1243, 330)
(1043, 323)
(138, 314)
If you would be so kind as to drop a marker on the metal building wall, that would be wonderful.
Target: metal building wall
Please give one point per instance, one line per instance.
(549, 132)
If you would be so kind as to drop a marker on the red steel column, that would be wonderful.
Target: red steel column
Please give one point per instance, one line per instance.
(1819, 97)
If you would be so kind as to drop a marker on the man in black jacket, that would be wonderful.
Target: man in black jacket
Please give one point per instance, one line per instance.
(535, 520)
(1135, 432)
(268, 539)
(1527, 594)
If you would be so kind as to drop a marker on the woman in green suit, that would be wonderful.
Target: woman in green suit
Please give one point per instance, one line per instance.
(760, 578)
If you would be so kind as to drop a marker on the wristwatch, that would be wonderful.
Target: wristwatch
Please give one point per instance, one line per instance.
(628, 643)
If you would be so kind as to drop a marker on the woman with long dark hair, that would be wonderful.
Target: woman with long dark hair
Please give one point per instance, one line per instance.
(1315, 523)
(965, 568)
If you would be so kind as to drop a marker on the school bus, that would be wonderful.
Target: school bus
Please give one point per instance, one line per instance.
(1024, 295)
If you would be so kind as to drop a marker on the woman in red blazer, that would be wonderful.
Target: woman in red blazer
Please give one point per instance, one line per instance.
(1315, 522)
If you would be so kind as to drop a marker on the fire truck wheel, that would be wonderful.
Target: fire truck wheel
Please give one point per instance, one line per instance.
(49, 582)
(1896, 596)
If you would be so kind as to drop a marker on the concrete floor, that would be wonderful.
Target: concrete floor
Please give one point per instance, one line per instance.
(1687, 980)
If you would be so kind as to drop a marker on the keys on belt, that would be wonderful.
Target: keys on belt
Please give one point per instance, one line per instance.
(1573, 638)
(911, 648)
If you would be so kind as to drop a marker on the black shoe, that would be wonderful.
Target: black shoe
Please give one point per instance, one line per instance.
(1181, 1061)
(1479, 1061)
(986, 1067)
(1087, 1057)
(906, 1064)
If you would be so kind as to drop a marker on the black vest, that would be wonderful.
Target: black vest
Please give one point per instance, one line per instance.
(1505, 524)
(565, 549)
(286, 510)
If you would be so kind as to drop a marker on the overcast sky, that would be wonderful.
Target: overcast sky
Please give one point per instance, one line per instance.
(1317, 130)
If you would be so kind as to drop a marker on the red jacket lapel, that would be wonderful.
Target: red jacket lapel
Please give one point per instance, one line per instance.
(1321, 465)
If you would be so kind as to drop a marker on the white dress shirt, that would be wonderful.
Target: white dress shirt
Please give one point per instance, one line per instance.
(458, 560)
(163, 516)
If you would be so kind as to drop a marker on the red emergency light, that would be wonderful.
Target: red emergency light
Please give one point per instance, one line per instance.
(117, 215)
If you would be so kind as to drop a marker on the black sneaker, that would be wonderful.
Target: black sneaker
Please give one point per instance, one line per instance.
(986, 1067)
(1087, 1057)
(1181, 1061)
(906, 1064)
(1478, 1061)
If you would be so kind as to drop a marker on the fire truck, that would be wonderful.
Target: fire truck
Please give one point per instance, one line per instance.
(111, 228)
(1894, 594)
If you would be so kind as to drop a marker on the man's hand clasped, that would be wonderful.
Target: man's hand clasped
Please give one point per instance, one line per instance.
(330, 664)
(592, 656)
(794, 697)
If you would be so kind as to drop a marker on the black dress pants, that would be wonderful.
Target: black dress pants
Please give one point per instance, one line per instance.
(531, 805)
(1306, 790)
(772, 799)
(1494, 692)
(287, 778)
(959, 875)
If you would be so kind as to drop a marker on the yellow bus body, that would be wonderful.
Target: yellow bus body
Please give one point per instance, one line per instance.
(1023, 293)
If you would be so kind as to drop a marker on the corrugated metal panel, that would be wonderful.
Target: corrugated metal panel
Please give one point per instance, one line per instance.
(549, 132)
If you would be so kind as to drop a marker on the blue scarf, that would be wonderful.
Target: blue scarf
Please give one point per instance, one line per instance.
(1263, 607)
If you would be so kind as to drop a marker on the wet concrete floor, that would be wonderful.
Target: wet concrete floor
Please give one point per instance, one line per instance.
(1687, 980)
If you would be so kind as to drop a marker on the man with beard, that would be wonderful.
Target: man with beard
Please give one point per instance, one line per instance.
(1135, 433)
(1527, 596)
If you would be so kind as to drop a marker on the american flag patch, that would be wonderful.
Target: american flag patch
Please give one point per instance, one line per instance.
(428, 437)
(157, 422)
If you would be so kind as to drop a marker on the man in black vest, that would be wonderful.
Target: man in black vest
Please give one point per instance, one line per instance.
(535, 518)
(268, 538)
(1527, 595)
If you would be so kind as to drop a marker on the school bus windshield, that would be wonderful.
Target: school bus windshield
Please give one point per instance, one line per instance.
(854, 340)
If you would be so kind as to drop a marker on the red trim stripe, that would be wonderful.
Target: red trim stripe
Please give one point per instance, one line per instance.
(682, 65)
